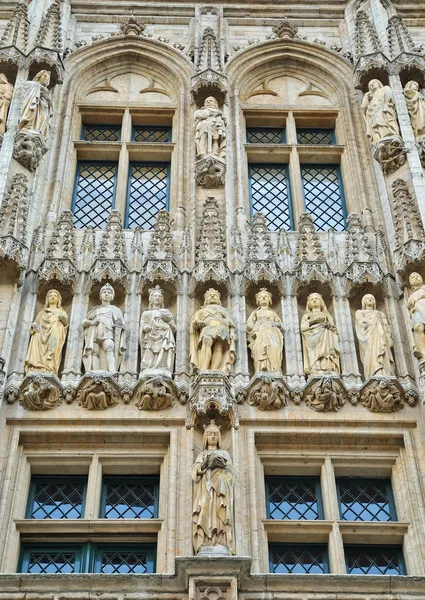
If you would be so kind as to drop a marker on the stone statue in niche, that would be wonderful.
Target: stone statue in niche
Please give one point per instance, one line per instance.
(212, 336)
(210, 130)
(157, 329)
(265, 335)
(6, 93)
(379, 112)
(104, 336)
(320, 338)
(48, 333)
(212, 517)
(416, 306)
(416, 106)
(375, 340)
(36, 110)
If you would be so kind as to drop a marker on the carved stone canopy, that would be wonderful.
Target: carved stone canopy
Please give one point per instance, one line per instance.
(211, 394)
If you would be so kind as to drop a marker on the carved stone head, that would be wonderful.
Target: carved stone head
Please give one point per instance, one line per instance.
(212, 296)
(374, 84)
(263, 297)
(212, 434)
(415, 280)
(315, 301)
(42, 77)
(211, 102)
(107, 293)
(368, 302)
(53, 296)
(156, 297)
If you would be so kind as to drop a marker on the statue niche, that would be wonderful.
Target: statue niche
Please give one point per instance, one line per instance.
(265, 335)
(210, 143)
(320, 339)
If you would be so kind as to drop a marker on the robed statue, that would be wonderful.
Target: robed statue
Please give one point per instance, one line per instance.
(212, 474)
(48, 333)
(157, 329)
(36, 109)
(379, 112)
(104, 335)
(210, 130)
(415, 102)
(416, 306)
(320, 338)
(265, 335)
(375, 340)
(212, 336)
(6, 93)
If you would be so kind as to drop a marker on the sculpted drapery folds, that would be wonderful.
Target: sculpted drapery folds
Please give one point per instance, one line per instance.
(104, 335)
(210, 130)
(212, 474)
(48, 333)
(265, 336)
(6, 93)
(212, 336)
(375, 341)
(157, 329)
(379, 112)
(320, 338)
(416, 106)
(416, 306)
(36, 110)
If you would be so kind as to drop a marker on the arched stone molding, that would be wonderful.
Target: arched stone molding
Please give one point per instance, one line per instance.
(329, 75)
(94, 65)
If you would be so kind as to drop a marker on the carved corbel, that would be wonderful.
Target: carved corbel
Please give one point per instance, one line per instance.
(325, 394)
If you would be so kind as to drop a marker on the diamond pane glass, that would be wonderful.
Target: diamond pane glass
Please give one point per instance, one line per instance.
(51, 562)
(365, 500)
(130, 500)
(323, 197)
(298, 559)
(363, 560)
(316, 137)
(290, 498)
(269, 195)
(94, 194)
(265, 135)
(123, 562)
(152, 134)
(101, 133)
(148, 193)
(57, 500)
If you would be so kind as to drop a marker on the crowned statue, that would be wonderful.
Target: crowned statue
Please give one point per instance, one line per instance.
(212, 516)
(212, 336)
(265, 335)
(104, 337)
(157, 329)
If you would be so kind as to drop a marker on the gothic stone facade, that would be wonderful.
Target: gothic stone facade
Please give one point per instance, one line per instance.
(234, 147)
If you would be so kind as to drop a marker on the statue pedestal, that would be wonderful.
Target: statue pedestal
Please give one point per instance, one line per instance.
(382, 394)
(268, 391)
(29, 147)
(211, 394)
(98, 390)
(40, 390)
(325, 393)
(390, 153)
(212, 551)
(210, 171)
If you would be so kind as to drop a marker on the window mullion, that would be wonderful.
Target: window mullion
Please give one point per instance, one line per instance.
(122, 180)
(94, 485)
(331, 513)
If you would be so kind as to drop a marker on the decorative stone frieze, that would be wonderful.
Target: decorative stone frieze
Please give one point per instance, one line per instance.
(268, 391)
(40, 391)
(98, 392)
(325, 394)
(382, 395)
(155, 393)
(211, 394)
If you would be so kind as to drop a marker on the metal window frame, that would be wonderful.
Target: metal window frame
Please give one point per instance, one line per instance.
(27, 549)
(81, 163)
(288, 185)
(98, 125)
(377, 548)
(389, 491)
(285, 547)
(130, 479)
(281, 129)
(130, 174)
(167, 128)
(340, 185)
(53, 479)
(97, 549)
(294, 479)
(318, 130)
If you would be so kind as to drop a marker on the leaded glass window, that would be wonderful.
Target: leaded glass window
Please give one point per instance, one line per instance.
(374, 560)
(56, 498)
(323, 196)
(298, 558)
(366, 500)
(50, 559)
(148, 190)
(94, 193)
(269, 191)
(137, 559)
(265, 135)
(316, 137)
(101, 133)
(130, 498)
(297, 498)
(150, 133)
